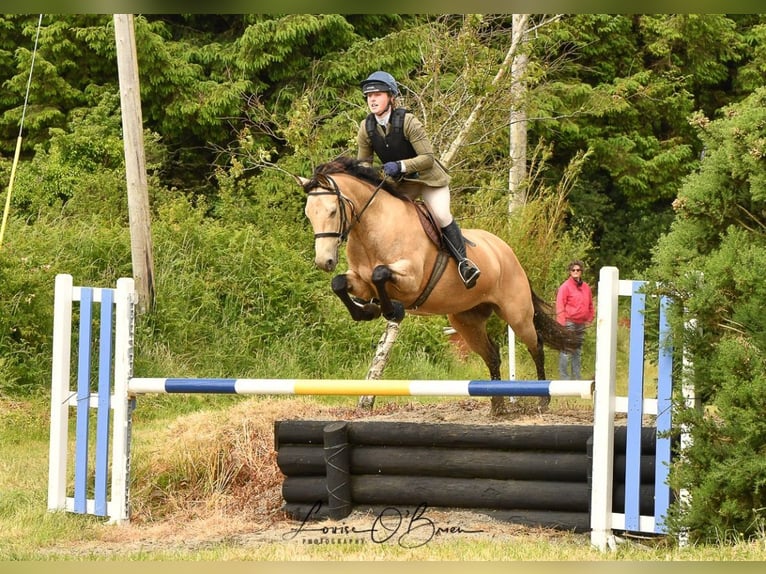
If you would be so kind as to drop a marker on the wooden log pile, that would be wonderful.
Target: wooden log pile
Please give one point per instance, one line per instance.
(533, 475)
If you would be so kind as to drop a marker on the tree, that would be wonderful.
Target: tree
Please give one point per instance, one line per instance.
(620, 86)
(711, 263)
(518, 118)
(623, 86)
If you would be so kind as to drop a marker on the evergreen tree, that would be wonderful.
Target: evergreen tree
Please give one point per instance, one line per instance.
(711, 263)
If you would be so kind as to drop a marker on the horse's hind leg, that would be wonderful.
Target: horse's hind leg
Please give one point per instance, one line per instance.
(472, 327)
(538, 355)
(524, 330)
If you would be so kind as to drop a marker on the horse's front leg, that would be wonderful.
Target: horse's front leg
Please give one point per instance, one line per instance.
(359, 309)
(391, 310)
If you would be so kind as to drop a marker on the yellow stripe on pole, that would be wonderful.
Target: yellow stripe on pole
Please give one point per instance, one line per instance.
(351, 387)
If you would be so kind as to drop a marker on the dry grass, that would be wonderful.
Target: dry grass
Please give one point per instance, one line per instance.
(212, 475)
(214, 463)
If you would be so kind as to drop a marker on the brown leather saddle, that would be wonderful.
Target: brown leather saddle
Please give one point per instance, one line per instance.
(432, 229)
(428, 222)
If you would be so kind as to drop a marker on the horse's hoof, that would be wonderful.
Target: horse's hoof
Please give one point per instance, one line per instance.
(371, 311)
(499, 412)
(543, 405)
(498, 407)
(396, 314)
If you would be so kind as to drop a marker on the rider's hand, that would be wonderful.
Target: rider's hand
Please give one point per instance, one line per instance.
(392, 168)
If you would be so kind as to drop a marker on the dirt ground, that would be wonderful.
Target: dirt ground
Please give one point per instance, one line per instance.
(250, 513)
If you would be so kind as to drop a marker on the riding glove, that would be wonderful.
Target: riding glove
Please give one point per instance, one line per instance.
(392, 168)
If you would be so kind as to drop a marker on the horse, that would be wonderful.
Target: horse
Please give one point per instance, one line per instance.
(395, 266)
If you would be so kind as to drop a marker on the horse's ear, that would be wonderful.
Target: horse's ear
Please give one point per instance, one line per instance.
(302, 181)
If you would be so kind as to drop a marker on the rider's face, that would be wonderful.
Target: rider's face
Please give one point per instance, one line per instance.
(378, 102)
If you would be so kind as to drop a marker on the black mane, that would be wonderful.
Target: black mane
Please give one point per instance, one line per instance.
(350, 166)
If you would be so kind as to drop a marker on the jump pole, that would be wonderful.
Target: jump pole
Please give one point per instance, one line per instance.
(387, 387)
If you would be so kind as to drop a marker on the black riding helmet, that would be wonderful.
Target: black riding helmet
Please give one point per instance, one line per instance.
(379, 82)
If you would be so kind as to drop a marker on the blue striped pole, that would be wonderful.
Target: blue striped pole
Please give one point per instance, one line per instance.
(635, 409)
(83, 404)
(460, 388)
(664, 420)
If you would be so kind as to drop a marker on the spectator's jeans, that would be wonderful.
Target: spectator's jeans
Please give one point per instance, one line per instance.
(573, 359)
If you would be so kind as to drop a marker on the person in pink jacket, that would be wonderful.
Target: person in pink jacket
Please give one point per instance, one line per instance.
(574, 309)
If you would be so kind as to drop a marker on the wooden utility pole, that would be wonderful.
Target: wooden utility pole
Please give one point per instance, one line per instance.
(135, 162)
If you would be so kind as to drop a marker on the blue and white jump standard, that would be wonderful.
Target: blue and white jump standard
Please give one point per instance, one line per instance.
(108, 388)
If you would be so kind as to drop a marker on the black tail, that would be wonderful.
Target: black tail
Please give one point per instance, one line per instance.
(553, 333)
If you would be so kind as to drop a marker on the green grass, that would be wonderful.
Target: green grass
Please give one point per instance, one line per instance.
(29, 532)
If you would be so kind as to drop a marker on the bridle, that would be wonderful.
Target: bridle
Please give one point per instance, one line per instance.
(346, 224)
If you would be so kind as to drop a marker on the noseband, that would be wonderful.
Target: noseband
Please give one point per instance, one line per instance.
(345, 227)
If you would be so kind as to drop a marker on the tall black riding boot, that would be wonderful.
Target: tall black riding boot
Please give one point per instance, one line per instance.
(467, 269)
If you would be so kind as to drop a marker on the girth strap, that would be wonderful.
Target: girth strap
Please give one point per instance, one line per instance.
(442, 258)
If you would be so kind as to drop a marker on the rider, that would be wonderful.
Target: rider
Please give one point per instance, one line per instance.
(399, 140)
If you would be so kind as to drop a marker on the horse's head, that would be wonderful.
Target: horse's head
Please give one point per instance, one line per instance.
(326, 211)
(333, 213)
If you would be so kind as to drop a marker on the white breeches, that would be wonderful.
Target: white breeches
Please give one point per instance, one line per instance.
(436, 198)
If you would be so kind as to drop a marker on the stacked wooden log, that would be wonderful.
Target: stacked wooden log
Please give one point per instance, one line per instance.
(533, 475)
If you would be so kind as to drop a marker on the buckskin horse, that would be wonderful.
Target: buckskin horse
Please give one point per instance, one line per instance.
(396, 264)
